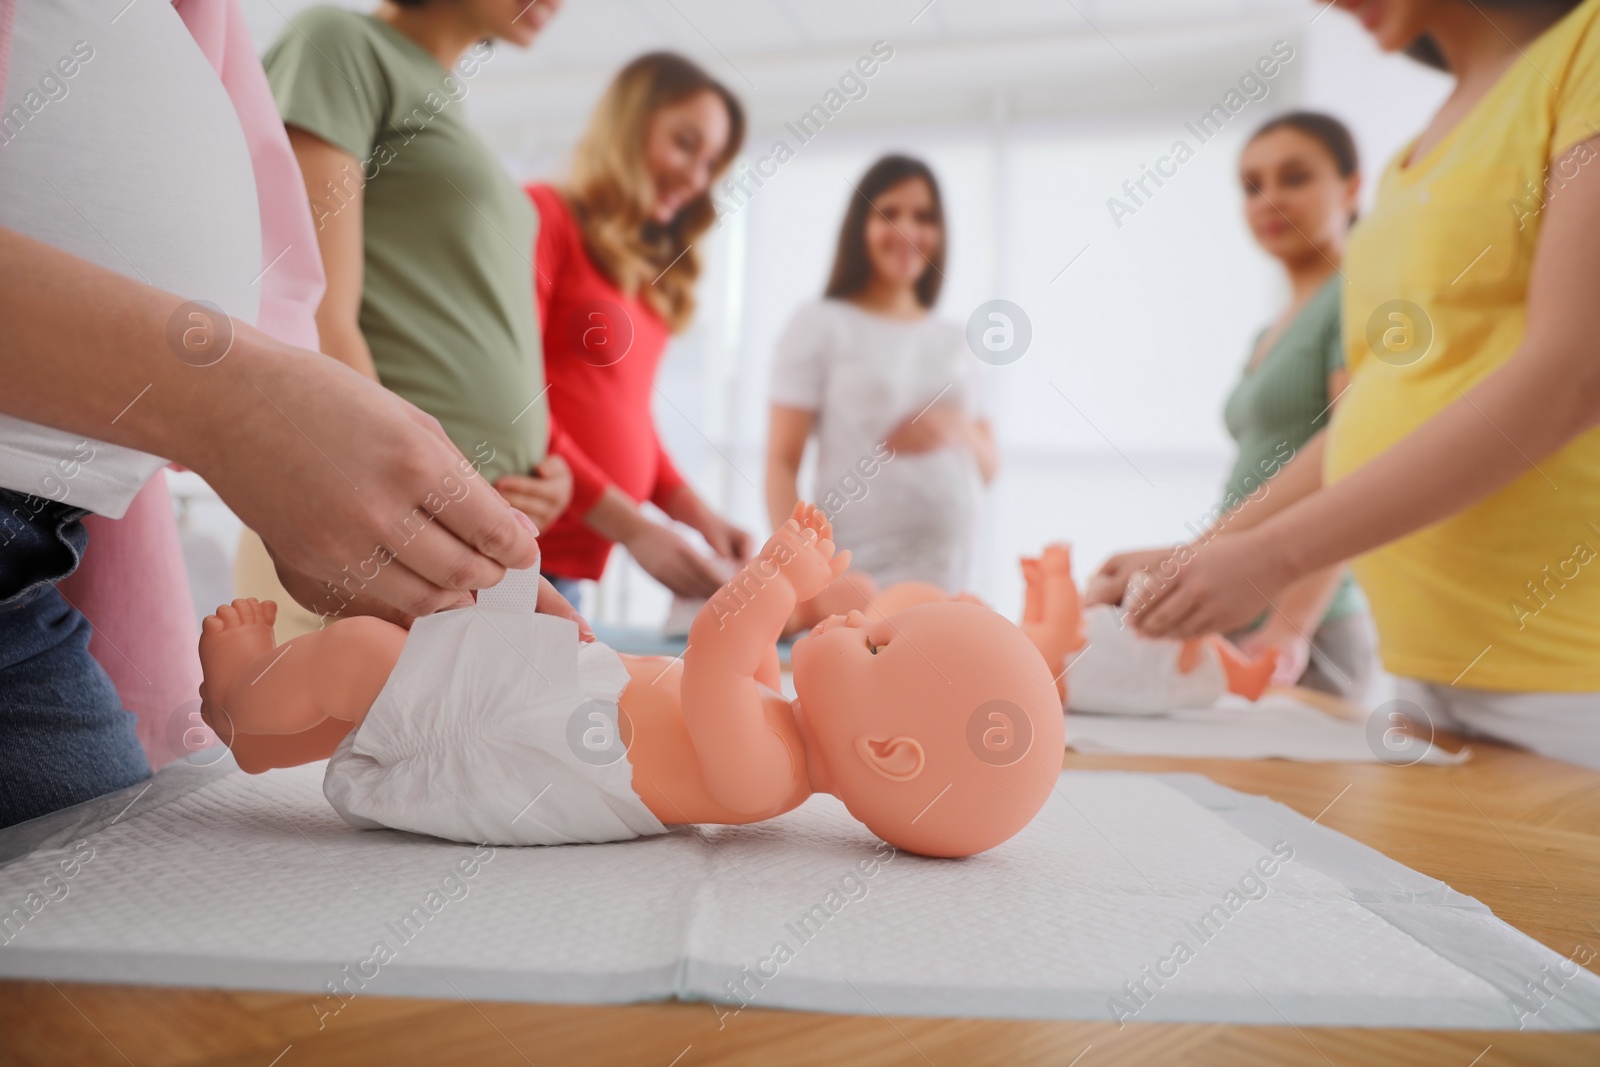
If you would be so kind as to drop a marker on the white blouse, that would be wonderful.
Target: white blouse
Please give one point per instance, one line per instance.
(903, 517)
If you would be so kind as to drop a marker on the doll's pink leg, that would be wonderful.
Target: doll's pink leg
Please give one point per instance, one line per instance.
(770, 673)
(1053, 618)
(851, 591)
(255, 753)
(1062, 611)
(1032, 591)
(252, 689)
(1246, 676)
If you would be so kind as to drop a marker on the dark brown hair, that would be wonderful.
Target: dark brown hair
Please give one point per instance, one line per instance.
(1333, 135)
(852, 267)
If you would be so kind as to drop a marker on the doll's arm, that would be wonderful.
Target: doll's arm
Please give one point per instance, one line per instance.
(747, 765)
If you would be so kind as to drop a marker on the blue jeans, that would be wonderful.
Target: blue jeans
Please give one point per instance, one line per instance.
(64, 736)
(571, 588)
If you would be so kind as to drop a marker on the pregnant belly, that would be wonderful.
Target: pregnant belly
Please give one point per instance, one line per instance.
(916, 519)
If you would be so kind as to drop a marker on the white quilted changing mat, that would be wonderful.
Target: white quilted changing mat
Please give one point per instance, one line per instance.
(209, 877)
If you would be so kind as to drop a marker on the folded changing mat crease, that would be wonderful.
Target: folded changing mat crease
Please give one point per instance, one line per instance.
(1131, 897)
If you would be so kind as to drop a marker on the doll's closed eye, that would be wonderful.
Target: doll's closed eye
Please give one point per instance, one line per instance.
(872, 647)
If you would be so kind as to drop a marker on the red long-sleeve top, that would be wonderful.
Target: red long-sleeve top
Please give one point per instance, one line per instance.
(601, 351)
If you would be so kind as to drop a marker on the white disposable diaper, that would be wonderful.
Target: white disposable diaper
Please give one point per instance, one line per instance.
(497, 726)
(1119, 672)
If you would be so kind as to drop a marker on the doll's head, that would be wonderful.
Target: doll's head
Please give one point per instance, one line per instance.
(939, 726)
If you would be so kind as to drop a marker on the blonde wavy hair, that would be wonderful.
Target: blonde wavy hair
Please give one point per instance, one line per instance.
(611, 193)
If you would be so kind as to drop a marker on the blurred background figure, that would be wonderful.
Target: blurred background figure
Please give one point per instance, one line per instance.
(887, 389)
(1301, 179)
(617, 267)
(424, 237)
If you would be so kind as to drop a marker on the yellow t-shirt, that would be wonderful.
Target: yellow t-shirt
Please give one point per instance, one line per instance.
(1436, 301)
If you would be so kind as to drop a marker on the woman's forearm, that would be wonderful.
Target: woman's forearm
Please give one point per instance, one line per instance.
(615, 517)
(1493, 434)
(783, 490)
(980, 438)
(1300, 608)
(344, 342)
(685, 506)
(788, 430)
(1293, 482)
(115, 375)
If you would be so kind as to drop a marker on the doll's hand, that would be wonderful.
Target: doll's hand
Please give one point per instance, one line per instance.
(802, 550)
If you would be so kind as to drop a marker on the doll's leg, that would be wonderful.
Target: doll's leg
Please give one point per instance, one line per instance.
(254, 689)
(1246, 676)
(1032, 591)
(851, 591)
(900, 596)
(1052, 616)
(770, 673)
(255, 753)
(1062, 611)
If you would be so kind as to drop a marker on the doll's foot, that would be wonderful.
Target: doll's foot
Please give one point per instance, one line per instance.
(1056, 560)
(1250, 678)
(231, 641)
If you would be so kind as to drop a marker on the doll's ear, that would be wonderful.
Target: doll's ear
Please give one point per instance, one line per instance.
(898, 759)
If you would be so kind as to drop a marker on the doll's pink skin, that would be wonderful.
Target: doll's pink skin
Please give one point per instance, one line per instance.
(884, 718)
(1052, 617)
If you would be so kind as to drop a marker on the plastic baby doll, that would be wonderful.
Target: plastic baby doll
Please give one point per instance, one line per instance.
(937, 726)
(1118, 671)
(1112, 668)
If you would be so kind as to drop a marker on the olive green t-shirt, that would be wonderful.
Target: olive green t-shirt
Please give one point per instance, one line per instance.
(447, 291)
(1282, 403)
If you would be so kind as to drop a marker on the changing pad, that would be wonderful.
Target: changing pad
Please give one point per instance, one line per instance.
(1131, 897)
(1275, 727)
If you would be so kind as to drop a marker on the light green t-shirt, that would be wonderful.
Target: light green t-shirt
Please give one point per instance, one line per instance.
(1280, 404)
(447, 301)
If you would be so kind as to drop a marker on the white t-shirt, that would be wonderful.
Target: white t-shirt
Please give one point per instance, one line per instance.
(913, 517)
(119, 145)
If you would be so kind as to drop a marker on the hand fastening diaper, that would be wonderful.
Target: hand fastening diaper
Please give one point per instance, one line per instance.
(469, 738)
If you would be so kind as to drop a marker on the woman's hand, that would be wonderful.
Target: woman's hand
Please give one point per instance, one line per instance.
(1213, 587)
(940, 426)
(1294, 650)
(726, 539)
(344, 481)
(542, 497)
(1110, 582)
(670, 560)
